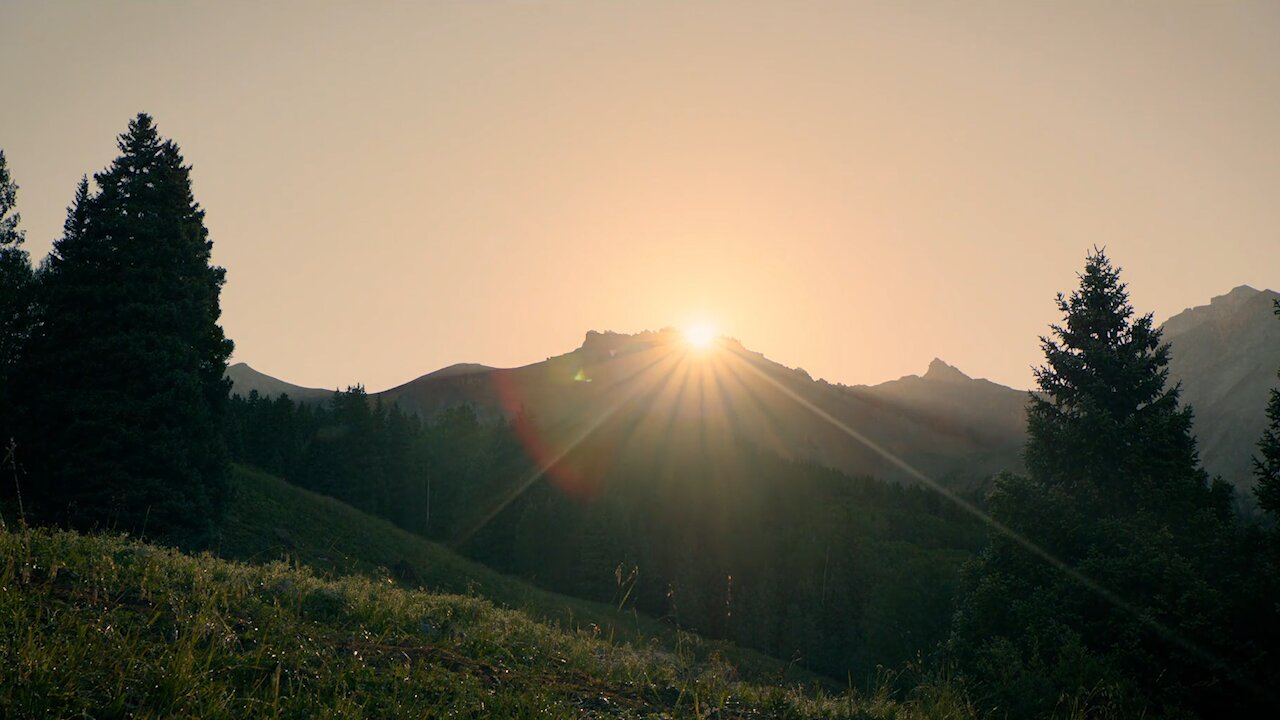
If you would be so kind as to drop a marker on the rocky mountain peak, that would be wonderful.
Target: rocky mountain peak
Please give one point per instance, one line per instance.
(1219, 307)
(939, 370)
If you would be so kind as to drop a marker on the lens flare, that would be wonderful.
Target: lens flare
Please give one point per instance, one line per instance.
(700, 336)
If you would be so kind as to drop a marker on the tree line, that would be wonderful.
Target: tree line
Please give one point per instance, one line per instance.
(421, 474)
(838, 573)
(113, 373)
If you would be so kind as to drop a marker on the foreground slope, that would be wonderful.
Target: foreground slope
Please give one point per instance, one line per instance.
(106, 627)
(273, 520)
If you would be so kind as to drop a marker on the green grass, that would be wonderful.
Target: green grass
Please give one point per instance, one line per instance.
(103, 626)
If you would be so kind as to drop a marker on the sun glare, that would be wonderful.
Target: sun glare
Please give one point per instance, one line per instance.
(700, 335)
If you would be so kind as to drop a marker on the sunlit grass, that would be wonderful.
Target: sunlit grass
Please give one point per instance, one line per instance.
(102, 626)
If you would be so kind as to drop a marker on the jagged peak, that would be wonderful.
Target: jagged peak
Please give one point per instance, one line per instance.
(939, 370)
(1220, 306)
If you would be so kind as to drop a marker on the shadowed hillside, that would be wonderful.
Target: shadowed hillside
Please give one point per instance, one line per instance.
(1226, 354)
(336, 599)
(273, 520)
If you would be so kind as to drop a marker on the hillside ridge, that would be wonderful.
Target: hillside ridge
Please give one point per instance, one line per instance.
(132, 629)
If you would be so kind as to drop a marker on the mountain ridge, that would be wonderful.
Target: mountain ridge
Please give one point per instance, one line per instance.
(245, 379)
(1225, 354)
(943, 422)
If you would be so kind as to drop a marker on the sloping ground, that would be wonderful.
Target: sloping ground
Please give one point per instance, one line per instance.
(274, 520)
(101, 626)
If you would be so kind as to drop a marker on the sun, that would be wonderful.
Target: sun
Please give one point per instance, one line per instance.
(700, 335)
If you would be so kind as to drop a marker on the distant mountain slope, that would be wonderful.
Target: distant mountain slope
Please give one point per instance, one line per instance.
(650, 388)
(655, 386)
(944, 422)
(1226, 354)
(459, 369)
(993, 415)
(245, 379)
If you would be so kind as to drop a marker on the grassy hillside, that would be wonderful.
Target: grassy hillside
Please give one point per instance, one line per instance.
(101, 626)
(273, 520)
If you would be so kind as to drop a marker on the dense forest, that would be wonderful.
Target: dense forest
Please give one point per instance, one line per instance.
(840, 573)
(1112, 574)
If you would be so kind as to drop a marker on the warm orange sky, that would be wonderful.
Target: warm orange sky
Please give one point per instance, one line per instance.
(851, 188)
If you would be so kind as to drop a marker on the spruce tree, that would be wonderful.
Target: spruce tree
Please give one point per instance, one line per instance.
(1106, 426)
(124, 384)
(1116, 495)
(1266, 465)
(15, 294)
(10, 234)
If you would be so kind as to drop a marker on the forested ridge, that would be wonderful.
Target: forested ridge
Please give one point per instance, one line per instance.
(1112, 578)
(839, 573)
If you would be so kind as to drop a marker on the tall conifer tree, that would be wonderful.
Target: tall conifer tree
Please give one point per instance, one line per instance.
(125, 380)
(1106, 425)
(15, 294)
(1114, 493)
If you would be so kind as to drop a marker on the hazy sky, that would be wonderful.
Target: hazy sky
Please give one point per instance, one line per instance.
(851, 188)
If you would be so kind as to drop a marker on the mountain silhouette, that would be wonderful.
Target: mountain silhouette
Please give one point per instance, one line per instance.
(245, 380)
(643, 393)
(1226, 355)
(649, 391)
